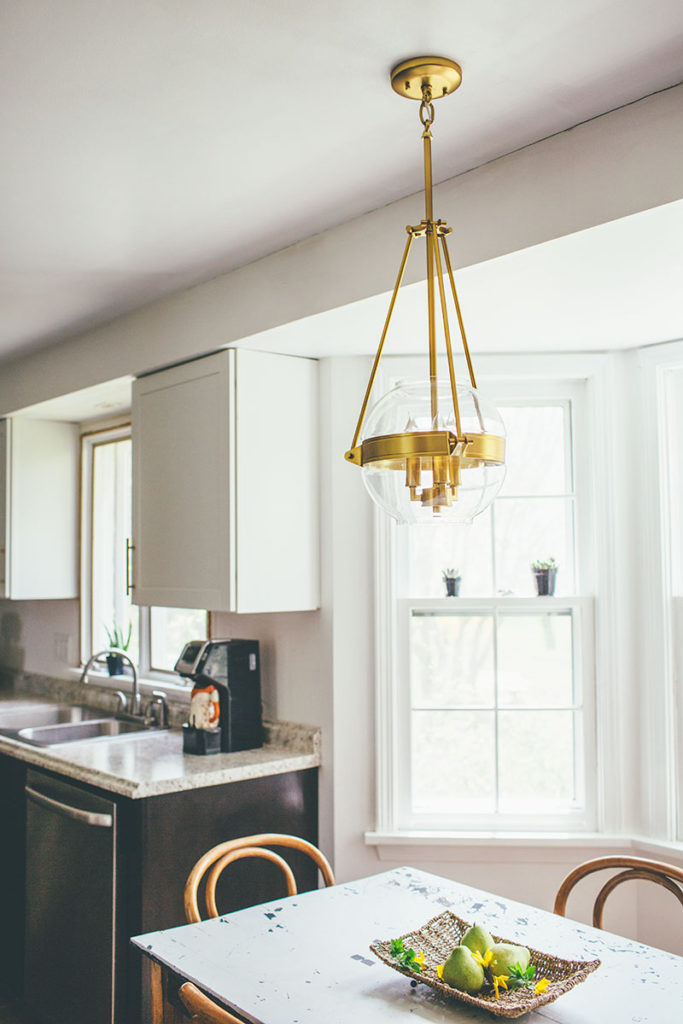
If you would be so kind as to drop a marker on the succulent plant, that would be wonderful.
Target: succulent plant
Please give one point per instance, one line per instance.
(549, 563)
(117, 638)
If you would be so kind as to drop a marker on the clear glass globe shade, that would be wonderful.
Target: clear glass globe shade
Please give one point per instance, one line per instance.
(406, 408)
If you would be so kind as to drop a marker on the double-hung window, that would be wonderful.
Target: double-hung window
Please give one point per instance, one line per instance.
(156, 635)
(486, 698)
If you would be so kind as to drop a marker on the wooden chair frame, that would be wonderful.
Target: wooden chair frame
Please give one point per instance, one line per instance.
(202, 1009)
(667, 875)
(220, 856)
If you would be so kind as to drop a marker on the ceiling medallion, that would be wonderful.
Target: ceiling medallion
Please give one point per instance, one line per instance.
(430, 451)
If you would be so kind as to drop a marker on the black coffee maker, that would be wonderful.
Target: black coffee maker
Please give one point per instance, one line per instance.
(233, 667)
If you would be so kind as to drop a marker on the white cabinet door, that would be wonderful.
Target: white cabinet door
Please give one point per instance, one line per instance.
(277, 500)
(225, 496)
(39, 501)
(183, 495)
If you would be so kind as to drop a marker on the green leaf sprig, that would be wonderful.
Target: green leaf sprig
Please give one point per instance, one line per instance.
(406, 957)
(521, 977)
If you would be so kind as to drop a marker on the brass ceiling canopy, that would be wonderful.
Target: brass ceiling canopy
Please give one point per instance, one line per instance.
(439, 74)
(434, 450)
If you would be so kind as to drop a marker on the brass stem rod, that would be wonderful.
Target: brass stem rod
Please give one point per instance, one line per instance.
(447, 336)
(429, 214)
(373, 374)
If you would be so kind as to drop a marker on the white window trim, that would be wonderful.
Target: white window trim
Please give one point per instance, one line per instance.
(493, 371)
(90, 441)
(662, 720)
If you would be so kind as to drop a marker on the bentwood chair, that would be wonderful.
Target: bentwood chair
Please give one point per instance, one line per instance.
(202, 1009)
(667, 875)
(220, 856)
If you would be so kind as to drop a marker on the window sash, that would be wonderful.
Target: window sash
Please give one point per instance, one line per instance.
(583, 818)
(543, 383)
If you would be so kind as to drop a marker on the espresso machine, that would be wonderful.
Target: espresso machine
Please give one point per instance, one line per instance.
(226, 705)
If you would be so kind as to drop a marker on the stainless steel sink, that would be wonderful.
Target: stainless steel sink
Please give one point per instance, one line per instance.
(16, 718)
(72, 732)
(46, 725)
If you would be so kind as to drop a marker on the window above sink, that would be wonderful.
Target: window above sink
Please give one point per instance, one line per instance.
(154, 636)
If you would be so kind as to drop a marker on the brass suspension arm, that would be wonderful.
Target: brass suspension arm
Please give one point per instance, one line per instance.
(401, 270)
(447, 336)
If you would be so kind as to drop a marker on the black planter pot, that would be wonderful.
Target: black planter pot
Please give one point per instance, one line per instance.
(115, 664)
(453, 586)
(545, 581)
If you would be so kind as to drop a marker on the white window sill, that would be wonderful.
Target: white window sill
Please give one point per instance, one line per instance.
(519, 847)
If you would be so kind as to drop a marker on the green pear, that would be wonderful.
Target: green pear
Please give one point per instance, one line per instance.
(477, 939)
(505, 955)
(462, 971)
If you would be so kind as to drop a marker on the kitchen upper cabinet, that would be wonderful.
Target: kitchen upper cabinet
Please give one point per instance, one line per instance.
(39, 467)
(225, 495)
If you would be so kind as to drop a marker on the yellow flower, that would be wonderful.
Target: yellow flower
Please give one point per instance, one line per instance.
(541, 986)
(421, 959)
(439, 970)
(484, 960)
(499, 980)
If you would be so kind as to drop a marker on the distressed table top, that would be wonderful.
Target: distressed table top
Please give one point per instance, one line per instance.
(305, 959)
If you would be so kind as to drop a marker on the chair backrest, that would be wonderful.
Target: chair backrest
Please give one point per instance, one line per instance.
(667, 875)
(220, 856)
(202, 1009)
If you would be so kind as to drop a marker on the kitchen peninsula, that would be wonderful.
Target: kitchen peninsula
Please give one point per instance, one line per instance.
(73, 895)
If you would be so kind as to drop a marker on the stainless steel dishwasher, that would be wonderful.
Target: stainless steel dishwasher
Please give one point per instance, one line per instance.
(70, 902)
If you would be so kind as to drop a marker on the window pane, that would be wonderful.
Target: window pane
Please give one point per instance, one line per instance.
(536, 762)
(425, 551)
(111, 525)
(451, 660)
(535, 662)
(171, 629)
(536, 451)
(453, 762)
(527, 531)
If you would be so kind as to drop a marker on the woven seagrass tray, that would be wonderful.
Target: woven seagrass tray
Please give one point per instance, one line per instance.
(437, 939)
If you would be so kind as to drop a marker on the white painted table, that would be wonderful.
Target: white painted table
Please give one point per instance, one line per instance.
(305, 959)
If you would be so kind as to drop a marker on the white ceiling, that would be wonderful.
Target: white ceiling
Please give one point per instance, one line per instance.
(148, 145)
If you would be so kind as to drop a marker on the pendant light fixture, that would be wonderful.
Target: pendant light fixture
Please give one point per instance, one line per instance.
(434, 450)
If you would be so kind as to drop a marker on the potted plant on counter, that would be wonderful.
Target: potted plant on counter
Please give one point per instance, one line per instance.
(117, 638)
(545, 574)
(452, 579)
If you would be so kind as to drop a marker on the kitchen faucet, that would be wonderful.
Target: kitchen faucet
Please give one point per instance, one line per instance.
(135, 695)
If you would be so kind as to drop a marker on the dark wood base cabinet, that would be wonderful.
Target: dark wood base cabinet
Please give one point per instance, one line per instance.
(155, 842)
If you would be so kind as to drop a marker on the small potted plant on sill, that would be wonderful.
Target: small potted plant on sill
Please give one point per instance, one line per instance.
(452, 580)
(117, 638)
(545, 574)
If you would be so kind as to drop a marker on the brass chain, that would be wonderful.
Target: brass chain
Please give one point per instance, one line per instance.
(427, 108)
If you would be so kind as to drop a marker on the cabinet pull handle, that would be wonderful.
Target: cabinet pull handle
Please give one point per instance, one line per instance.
(129, 582)
(87, 817)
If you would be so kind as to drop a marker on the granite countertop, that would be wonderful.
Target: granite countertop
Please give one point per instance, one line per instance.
(153, 763)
